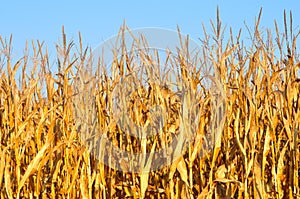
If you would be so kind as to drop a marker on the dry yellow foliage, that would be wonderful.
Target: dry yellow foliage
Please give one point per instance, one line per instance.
(256, 156)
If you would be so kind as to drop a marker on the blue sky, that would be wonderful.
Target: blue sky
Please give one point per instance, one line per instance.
(98, 20)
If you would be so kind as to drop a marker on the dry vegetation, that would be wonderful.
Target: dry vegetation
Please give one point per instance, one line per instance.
(258, 155)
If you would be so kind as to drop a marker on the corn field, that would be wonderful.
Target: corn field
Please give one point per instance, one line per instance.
(257, 156)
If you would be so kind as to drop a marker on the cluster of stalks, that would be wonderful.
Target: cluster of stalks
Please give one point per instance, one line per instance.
(257, 154)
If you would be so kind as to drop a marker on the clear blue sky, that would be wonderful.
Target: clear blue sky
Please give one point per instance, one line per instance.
(98, 20)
